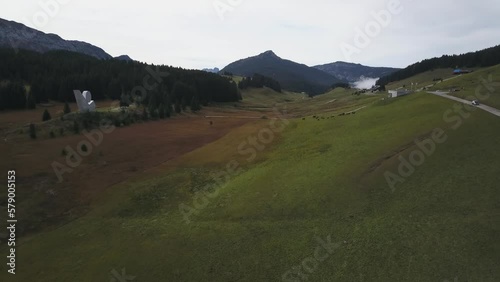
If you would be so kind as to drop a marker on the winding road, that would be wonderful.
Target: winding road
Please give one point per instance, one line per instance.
(482, 107)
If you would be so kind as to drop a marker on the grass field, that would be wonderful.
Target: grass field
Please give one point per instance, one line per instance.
(256, 98)
(423, 79)
(314, 182)
(125, 152)
(474, 85)
(12, 120)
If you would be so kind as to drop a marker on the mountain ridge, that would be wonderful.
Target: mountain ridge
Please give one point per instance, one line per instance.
(214, 70)
(18, 36)
(291, 75)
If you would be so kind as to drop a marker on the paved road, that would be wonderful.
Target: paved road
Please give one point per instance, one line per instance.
(482, 107)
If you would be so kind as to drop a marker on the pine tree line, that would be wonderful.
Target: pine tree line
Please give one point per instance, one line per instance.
(484, 58)
(54, 76)
(259, 81)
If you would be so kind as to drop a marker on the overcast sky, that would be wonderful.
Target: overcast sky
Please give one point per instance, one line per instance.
(194, 34)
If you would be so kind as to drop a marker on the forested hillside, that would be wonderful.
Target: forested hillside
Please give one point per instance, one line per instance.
(259, 81)
(291, 76)
(484, 58)
(54, 76)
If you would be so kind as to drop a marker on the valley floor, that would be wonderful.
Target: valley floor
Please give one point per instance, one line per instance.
(286, 197)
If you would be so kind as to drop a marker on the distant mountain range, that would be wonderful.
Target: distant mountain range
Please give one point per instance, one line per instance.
(214, 70)
(18, 36)
(291, 75)
(354, 72)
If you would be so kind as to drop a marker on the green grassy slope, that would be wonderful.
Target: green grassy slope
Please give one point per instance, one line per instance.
(319, 179)
(255, 98)
(479, 80)
(423, 79)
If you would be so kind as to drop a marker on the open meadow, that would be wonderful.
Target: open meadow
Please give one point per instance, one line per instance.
(476, 85)
(300, 194)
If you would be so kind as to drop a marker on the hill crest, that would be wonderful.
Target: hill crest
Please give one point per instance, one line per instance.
(18, 36)
(353, 72)
(291, 75)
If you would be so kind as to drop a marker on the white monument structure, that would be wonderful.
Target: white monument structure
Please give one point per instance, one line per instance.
(84, 101)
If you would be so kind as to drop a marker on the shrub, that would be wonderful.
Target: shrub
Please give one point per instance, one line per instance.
(161, 112)
(136, 116)
(67, 109)
(46, 115)
(89, 119)
(195, 104)
(52, 134)
(177, 107)
(30, 101)
(76, 127)
(32, 131)
(86, 124)
(154, 114)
